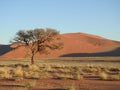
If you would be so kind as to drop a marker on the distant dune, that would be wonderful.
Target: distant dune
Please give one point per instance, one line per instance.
(75, 44)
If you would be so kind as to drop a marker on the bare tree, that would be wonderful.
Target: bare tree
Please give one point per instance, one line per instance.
(38, 40)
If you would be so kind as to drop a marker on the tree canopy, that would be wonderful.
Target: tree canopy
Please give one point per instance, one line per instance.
(38, 40)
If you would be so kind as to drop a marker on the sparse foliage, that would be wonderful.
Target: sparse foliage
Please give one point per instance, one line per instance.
(38, 40)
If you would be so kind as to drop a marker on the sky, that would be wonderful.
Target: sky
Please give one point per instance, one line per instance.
(99, 17)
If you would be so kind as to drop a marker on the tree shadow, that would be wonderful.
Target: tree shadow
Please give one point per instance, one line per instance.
(4, 49)
(115, 52)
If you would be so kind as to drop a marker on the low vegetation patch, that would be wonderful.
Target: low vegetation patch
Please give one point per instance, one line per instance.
(20, 72)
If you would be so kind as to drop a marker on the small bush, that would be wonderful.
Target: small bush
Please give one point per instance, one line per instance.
(18, 78)
(114, 69)
(78, 76)
(64, 76)
(5, 73)
(33, 68)
(64, 70)
(48, 68)
(87, 70)
(115, 77)
(77, 69)
(45, 75)
(4, 70)
(31, 74)
(103, 76)
(18, 72)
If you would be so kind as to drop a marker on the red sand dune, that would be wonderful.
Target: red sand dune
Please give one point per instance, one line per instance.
(73, 43)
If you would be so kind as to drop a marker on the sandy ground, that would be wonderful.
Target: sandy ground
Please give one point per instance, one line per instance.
(57, 84)
(53, 84)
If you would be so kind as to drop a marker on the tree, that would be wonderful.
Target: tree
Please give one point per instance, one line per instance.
(38, 40)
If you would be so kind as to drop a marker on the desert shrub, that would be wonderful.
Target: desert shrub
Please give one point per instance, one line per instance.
(48, 68)
(103, 76)
(87, 70)
(5, 73)
(4, 70)
(45, 75)
(98, 69)
(106, 69)
(7, 76)
(20, 65)
(64, 76)
(18, 72)
(114, 69)
(31, 74)
(114, 77)
(77, 76)
(18, 78)
(90, 70)
(111, 69)
(64, 70)
(33, 68)
(77, 69)
(90, 65)
(53, 70)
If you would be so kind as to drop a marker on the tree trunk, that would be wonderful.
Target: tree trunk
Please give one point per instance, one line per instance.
(32, 58)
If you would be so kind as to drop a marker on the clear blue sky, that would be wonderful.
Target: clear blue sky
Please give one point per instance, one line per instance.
(100, 17)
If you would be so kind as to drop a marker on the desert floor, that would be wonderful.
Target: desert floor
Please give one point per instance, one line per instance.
(53, 84)
(88, 82)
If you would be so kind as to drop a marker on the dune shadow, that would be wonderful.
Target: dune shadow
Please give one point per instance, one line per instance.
(115, 52)
(4, 49)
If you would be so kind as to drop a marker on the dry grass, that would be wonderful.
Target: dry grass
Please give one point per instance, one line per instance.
(75, 68)
(52, 71)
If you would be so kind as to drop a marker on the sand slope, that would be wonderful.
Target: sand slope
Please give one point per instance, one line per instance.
(74, 43)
